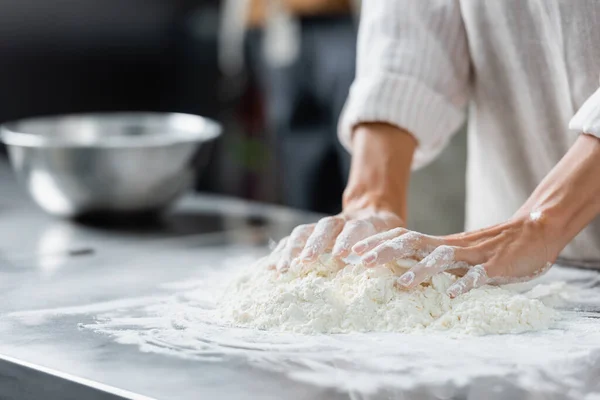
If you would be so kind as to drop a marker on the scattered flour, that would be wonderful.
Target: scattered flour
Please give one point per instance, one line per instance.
(325, 299)
(185, 319)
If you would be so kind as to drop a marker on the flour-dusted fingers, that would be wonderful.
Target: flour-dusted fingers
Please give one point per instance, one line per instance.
(439, 260)
(275, 255)
(353, 232)
(280, 245)
(476, 276)
(371, 242)
(294, 245)
(409, 245)
(322, 238)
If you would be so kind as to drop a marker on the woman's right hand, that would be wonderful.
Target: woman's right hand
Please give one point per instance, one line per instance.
(336, 234)
(374, 200)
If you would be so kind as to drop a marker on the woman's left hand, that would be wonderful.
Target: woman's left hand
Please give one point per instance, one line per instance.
(515, 251)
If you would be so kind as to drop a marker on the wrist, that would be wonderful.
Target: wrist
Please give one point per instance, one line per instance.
(547, 224)
(360, 197)
(568, 199)
(380, 172)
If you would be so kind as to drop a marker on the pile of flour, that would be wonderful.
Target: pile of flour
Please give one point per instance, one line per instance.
(325, 299)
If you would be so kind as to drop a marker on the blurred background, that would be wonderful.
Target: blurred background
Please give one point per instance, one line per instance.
(274, 73)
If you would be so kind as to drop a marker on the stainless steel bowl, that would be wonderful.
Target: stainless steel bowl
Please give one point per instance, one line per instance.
(114, 162)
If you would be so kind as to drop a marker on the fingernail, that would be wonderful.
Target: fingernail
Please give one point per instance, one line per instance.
(359, 248)
(369, 258)
(407, 279)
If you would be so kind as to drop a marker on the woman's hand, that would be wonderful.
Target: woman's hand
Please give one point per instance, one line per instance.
(512, 252)
(374, 200)
(336, 234)
(520, 249)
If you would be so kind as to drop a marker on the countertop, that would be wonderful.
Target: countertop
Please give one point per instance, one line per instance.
(49, 264)
(111, 261)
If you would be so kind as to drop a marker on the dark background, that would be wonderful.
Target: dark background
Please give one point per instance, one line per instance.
(67, 56)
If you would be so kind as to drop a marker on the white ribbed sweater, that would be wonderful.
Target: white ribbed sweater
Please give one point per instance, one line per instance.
(524, 68)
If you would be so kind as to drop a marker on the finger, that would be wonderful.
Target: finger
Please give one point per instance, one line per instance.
(441, 259)
(409, 245)
(273, 257)
(373, 241)
(353, 232)
(280, 246)
(294, 246)
(322, 238)
(474, 278)
(324, 261)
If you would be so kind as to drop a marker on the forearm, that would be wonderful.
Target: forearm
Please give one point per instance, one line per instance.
(316, 7)
(568, 198)
(381, 165)
(258, 8)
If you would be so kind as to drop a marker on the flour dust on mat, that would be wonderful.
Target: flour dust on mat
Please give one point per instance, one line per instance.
(322, 298)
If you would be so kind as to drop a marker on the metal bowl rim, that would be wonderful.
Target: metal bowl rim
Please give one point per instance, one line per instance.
(12, 137)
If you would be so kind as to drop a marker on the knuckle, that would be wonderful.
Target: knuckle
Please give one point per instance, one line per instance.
(356, 224)
(341, 245)
(294, 246)
(300, 229)
(341, 242)
(397, 231)
(411, 237)
(408, 239)
(325, 220)
(442, 257)
(331, 220)
(443, 252)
